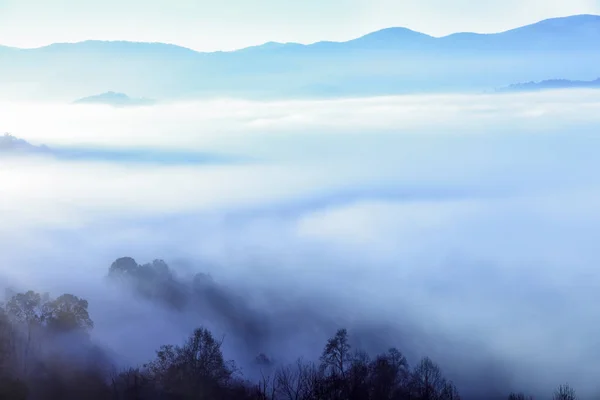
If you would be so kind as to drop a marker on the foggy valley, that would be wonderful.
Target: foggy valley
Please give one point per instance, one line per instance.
(372, 205)
(466, 237)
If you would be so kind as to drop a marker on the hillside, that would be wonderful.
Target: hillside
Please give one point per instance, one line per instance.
(114, 99)
(12, 145)
(389, 61)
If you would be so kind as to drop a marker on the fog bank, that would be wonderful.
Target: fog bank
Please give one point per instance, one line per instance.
(459, 227)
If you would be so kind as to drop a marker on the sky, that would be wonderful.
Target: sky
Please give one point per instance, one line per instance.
(209, 25)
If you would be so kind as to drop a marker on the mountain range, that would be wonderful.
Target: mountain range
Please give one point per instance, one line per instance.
(389, 61)
(551, 84)
(12, 146)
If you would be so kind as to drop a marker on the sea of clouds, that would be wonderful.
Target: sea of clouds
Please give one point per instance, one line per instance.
(463, 227)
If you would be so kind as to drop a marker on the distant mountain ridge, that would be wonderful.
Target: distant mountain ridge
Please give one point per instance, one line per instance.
(539, 33)
(389, 61)
(10, 144)
(551, 84)
(553, 26)
(114, 99)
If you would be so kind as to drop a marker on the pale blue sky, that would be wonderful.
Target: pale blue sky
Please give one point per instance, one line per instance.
(230, 24)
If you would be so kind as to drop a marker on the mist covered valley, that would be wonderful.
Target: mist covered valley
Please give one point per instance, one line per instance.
(458, 227)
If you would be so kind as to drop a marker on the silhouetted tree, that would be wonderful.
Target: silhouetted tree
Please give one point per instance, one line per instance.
(196, 367)
(564, 392)
(296, 382)
(132, 384)
(389, 376)
(358, 377)
(519, 396)
(124, 266)
(336, 357)
(449, 392)
(427, 382)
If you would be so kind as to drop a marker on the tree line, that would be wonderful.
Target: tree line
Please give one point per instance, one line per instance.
(46, 353)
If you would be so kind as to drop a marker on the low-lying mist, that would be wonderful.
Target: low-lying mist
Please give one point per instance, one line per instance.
(460, 227)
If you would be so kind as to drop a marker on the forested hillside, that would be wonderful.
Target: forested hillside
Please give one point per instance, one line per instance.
(46, 353)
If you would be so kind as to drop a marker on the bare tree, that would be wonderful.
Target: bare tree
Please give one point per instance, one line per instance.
(564, 392)
(519, 396)
(266, 386)
(427, 382)
(294, 382)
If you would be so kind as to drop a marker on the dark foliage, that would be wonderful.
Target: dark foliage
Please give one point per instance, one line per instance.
(46, 353)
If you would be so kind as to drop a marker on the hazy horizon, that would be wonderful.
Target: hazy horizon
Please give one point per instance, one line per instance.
(177, 22)
(340, 40)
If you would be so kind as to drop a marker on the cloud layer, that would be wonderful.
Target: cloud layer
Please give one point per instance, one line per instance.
(466, 226)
